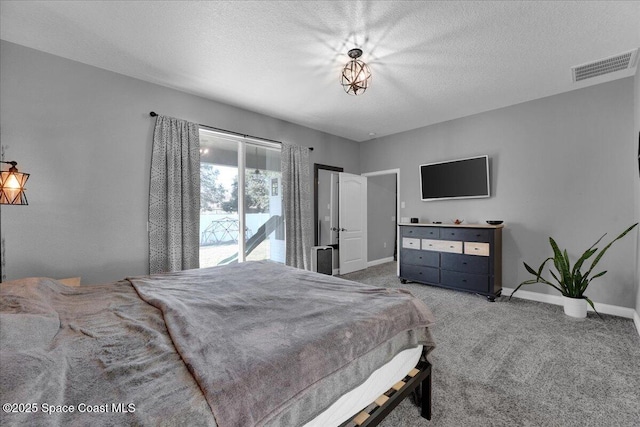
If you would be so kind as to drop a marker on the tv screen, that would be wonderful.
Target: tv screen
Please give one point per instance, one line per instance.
(455, 179)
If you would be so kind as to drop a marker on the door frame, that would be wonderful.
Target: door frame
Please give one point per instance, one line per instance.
(397, 174)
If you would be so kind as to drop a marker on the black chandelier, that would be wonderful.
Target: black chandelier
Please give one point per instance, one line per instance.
(356, 75)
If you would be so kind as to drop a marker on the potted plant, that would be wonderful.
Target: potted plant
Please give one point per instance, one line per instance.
(571, 281)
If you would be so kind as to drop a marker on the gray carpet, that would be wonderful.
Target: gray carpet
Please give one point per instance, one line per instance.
(521, 363)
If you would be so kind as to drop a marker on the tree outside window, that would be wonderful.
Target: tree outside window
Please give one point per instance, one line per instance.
(212, 193)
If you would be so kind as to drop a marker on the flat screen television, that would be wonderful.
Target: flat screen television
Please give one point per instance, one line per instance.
(455, 179)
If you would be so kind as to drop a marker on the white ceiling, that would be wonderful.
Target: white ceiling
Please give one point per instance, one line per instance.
(431, 61)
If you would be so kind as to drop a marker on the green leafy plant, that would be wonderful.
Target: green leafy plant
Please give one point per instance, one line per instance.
(571, 281)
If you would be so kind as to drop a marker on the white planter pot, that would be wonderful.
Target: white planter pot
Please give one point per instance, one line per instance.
(575, 307)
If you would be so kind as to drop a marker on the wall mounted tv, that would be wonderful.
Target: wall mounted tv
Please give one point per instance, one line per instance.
(455, 179)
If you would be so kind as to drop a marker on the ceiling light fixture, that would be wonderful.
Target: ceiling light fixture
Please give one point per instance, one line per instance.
(356, 75)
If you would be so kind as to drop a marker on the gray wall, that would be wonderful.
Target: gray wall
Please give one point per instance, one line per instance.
(85, 136)
(563, 166)
(381, 212)
(636, 191)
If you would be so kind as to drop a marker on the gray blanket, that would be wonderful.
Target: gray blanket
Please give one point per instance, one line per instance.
(259, 336)
(257, 344)
(96, 350)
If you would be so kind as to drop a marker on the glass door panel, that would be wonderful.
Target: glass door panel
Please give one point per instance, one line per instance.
(263, 204)
(219, 219)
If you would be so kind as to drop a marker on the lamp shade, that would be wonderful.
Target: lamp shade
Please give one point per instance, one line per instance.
(12, 186)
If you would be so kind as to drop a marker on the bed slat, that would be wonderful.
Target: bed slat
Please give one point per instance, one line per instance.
(398, 386)
(381, 400)
(360, 418)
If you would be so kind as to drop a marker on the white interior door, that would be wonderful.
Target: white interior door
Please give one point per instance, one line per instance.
(352, 221)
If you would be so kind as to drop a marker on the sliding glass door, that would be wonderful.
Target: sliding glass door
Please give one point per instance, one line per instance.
(241, 200)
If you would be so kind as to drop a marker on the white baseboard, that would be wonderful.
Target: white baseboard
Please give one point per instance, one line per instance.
(379, 261)
(636, 320)
(614, 310)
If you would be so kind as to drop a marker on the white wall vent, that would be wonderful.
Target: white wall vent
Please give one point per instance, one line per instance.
(623, 61)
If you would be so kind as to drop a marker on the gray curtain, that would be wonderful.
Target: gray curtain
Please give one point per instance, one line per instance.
(174, 196)
(296, 199)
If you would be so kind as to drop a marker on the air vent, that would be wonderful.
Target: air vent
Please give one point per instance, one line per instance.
(623, 61)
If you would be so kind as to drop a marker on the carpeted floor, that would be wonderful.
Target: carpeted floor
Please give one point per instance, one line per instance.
(521, 363)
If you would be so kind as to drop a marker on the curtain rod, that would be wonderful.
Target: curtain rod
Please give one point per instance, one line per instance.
(154, 114)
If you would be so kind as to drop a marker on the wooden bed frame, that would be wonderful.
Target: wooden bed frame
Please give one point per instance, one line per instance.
(418, 381)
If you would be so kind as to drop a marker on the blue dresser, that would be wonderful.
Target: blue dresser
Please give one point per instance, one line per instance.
(462, 257)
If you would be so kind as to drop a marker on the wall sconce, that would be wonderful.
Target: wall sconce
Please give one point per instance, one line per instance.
(356, 75)
(12, 191)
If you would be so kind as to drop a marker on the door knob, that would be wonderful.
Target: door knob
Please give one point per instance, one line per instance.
(343, 229)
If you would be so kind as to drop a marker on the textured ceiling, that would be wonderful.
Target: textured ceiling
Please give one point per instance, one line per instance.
(431, 61)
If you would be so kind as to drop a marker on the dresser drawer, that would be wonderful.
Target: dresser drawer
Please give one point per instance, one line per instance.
(442, 246)
(420, 232)
(426, 258)
(465, 263)
(476, 248)
(466, 234)
(420, 274)
(431, 245)
(470, 282)
(448, 246)
(410, 243)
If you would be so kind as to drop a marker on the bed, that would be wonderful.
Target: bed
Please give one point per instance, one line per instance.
(250, 344)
